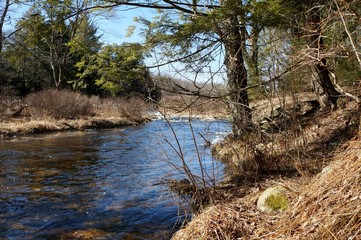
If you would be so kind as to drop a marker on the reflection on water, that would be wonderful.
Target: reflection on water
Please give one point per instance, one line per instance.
(51, 185)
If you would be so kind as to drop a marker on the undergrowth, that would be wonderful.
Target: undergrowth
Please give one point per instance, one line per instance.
(65, 104)
(59, 104)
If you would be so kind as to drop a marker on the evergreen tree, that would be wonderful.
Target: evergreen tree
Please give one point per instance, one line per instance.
(119, 70)
(195, 32)
(48, 33)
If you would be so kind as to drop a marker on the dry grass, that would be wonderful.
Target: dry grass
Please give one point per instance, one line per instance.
(52, 110)
(24, 127)
(237, 219)
(194, 106)
(326, 206)
(304, 145)
(59, 104)
(322, 206)
(330, 205)
(130, 108)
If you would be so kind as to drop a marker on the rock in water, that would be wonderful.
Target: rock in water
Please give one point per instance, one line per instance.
(217, 140)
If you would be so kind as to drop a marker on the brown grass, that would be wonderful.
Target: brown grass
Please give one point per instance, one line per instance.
(304, 145)
(24, 127)
(326, 206)
(194, 106)
(130, 108)
(238, 218)
(330, 205)
(323, 205)
(52, 110)
(59, 104)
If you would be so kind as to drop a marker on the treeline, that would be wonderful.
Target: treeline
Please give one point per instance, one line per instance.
(56, 46)
(259, 49)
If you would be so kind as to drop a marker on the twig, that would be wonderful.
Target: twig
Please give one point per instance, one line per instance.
(348, 34)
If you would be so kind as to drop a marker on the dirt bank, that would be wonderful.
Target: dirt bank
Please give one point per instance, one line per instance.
(314, 155)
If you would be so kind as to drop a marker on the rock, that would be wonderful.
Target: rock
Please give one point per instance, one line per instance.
(217, 140)
(88, 234)
(326, 170)
(273, 199)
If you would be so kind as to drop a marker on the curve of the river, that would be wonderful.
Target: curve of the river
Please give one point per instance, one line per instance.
(104, 180)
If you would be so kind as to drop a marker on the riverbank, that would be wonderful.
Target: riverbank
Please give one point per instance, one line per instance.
(314, 157)
(63, 110)
(54, 111)
(17, 127)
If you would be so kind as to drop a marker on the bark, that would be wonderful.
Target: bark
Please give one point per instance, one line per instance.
(325, 90)
(237, 76)
(255, 50)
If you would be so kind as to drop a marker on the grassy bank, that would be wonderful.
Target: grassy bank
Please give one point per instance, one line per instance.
(312, 154)
(24, 127)
(52, 111)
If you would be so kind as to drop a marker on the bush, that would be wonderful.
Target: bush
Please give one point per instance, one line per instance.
(10, 104)
(59, 104)
(131, 108)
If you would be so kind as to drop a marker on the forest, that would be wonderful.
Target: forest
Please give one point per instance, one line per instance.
(286, 73)
(257, 49)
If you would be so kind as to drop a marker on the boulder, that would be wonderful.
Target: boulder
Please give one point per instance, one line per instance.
(273, 199)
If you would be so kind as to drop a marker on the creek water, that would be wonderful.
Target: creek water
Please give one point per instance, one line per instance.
(100, 181)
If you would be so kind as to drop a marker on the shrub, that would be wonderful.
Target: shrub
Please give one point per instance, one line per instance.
(10, 104)
(59, 104)
(131, 108)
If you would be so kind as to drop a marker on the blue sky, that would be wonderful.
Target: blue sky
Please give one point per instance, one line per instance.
(114, 30)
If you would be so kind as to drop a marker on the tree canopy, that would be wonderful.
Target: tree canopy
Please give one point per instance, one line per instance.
(257, 47)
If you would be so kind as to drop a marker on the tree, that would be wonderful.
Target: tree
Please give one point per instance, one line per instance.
(84, 46)
(118, 70)
(2, 21)
(24, 52)
(312, 32)
(195, 32)
(49, 30)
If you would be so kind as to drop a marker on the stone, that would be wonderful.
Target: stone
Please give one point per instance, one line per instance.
(273, 199)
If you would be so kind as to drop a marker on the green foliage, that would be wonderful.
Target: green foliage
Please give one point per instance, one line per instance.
(189, 38)
(118, 65)
(116, 68)
(49, 43)
(83, 46)
(269, 13)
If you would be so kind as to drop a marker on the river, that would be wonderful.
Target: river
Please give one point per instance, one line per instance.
(105, 181)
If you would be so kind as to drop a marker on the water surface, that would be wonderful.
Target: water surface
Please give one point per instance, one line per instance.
(102, 180)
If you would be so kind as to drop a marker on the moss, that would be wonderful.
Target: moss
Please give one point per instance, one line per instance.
(277, 202)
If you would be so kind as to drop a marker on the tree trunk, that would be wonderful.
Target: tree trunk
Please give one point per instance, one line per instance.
(237, 77)
(325, 90)
(2, 21)
(255, 50)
